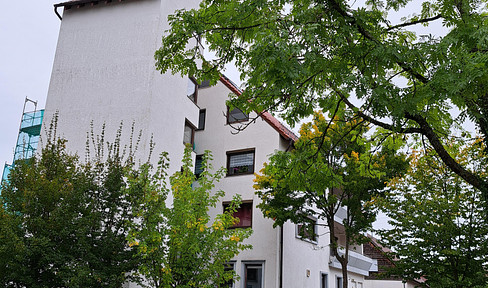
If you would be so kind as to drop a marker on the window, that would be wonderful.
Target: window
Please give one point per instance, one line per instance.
(205, 83)
(198, 166)
(236, 115)
(324, 281)
(192, 89)
(307, 230)
(253, 275)
(201, 119)
(189, 133)
(240, 162)
(243, 213)
(339, 282)
(228, 283)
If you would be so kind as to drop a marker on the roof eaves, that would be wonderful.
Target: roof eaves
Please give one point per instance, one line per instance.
(77, 2)
(270, 119)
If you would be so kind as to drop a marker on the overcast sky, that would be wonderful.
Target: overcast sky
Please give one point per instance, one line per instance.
(28, 36)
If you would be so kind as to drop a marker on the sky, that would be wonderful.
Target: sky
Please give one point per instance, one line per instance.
(28, 36)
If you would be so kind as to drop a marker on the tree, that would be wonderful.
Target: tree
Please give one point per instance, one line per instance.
(181, 246)
(298, 55)
(332, 166)
(63, 223)
(439, 229)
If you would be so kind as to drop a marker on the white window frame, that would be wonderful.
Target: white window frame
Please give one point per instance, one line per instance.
(297, 234)
(252, 263)
(322, 274)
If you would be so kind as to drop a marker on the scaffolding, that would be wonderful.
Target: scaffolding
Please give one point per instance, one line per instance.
(29, 134)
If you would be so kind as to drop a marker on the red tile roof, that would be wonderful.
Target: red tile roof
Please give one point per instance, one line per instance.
(270, 119)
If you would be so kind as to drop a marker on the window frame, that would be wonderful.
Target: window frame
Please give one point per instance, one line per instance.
(313, 221)
(226, 204)
(240, 152)
(245, 264)
(236, 121)
(196, 165)
(232, 265)
(195, 92)
(324, 280)
(339, 282)
(201, 127)
(192, 127)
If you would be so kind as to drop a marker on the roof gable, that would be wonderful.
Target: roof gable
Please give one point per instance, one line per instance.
(270, 119)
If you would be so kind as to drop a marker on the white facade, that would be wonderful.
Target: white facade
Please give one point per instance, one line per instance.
(104, 73)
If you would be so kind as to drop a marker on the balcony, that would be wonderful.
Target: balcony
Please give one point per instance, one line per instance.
(357, 263)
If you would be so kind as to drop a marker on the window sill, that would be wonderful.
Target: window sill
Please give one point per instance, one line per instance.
(239, 174)
(307, 240)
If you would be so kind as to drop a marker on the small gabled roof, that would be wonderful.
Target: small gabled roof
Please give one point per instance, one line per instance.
(270, 119)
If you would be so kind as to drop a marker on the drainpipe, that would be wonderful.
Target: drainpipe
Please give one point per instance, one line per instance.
(290, 145)
(57, 13)
(281, 257)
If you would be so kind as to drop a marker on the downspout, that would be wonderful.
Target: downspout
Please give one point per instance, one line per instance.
(290, 145)
(281, 257)
(57, 13)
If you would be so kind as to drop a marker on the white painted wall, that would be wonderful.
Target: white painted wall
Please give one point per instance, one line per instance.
(387, 284)
(104, 73)
(218, 138)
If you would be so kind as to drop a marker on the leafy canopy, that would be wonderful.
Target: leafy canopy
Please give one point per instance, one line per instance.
(299, 55)
(332, 166)
(64, 223)
(181, 245)
(439, 224)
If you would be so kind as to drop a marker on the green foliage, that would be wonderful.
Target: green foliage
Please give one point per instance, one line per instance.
(299, 55)
(181, 245)
(63, 223)
(439, 224)
(332, 166)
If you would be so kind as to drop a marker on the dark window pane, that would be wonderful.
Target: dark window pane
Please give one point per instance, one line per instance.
(244, 214)
(198, 165)
(307, 231)
(254, 276)
(236, 115)
(205, 83)
(324, 282)
(201, 119)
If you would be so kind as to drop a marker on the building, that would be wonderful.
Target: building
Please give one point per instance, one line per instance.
(104, 73)
(382, 259)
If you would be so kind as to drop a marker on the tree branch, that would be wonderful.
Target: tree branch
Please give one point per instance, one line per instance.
(415, 22)
(436, 143)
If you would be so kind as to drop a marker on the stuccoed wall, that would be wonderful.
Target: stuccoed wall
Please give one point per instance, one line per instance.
(104, 73)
